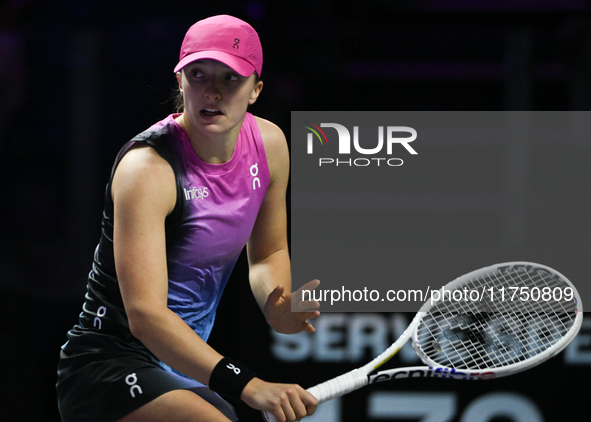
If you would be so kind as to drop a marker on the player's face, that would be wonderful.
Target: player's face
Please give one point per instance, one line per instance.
(216, 97)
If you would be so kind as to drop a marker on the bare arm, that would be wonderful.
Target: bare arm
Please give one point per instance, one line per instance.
(270, 268)
(144, 193)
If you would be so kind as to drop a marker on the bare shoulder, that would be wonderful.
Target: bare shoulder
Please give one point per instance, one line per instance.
(275, 145)
(143, 174)
(143, 162)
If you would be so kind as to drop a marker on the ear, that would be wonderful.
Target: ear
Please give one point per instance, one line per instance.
(179, 81)
(255, 92)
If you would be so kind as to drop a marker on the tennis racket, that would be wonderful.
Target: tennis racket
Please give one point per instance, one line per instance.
(490, 323)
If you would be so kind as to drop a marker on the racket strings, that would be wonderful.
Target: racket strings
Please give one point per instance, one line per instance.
(495, 331)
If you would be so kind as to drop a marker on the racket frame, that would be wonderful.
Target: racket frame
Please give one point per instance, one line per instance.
(366, 374)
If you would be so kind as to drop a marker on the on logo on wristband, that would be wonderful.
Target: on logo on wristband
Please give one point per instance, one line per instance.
(229, 383)
(231, 367)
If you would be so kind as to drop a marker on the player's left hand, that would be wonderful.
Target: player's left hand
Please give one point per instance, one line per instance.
(278, 310)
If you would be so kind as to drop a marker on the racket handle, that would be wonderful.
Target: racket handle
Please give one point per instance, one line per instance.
(333, 388)
(339, 386)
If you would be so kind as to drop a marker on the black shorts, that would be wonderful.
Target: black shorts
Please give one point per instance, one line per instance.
(102, 378)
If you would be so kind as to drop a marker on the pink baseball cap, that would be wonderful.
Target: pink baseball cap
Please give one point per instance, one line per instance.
(226, 39)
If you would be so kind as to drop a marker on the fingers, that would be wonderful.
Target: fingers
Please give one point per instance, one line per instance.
(291, 402)
(305, 316)
(309, 315)
(306, 306)
(309, 328)
(303, 293)
(287, 402)
(310, 285)
(310, 401)
(293, 408)
(287, 313)
(276, 294)
(297, 403)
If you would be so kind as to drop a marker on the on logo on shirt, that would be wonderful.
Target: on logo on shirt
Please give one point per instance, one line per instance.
(254, 171)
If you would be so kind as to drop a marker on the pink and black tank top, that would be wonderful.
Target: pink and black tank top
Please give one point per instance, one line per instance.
(216, 208)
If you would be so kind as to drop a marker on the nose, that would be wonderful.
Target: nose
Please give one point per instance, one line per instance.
(212, 90)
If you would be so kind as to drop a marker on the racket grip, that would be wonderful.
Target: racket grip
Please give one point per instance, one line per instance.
(339, 386)
(333, 388)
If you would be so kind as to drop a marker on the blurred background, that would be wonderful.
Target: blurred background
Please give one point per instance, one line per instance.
(80, 78)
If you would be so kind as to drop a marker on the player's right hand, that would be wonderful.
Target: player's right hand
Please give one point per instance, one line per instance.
(287, 402)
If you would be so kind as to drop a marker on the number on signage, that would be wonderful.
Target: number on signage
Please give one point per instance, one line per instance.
(442, 407)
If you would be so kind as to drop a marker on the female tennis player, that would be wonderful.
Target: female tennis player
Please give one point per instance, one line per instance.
(184, 198)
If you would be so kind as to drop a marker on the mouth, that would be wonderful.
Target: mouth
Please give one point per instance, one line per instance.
(209, 112)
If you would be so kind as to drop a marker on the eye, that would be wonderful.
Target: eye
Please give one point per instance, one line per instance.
(232, 77)
(196, 73)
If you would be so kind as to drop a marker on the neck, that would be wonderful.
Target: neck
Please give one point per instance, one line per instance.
(212, 148)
